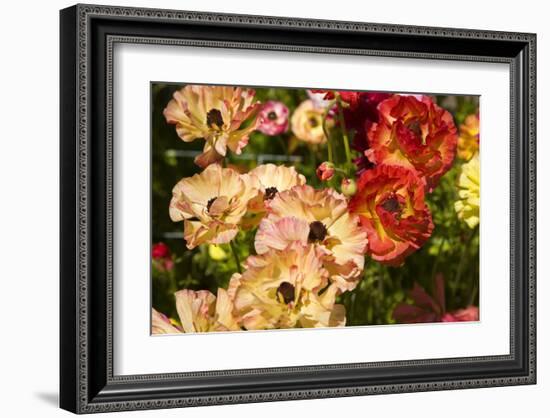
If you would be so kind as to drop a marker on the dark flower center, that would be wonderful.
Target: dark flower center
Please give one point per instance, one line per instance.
(414, 127)
(286, 292)
(391, 205)
(272, 115)
(210, 202)
(270, 193)
(214, 117)
(317, 231)
(313, 122)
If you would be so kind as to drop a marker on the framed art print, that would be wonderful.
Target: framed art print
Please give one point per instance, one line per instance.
(257, 208)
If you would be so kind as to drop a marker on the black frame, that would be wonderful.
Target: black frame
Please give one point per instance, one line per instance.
(88, 33)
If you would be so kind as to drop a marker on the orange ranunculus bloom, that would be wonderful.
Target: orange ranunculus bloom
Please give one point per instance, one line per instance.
(414, 133)
(391, 208)
(468, 141)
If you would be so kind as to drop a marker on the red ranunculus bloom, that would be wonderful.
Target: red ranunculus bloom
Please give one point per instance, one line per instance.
(413, 133)
(359, 116)
(391, 208)
(161, 250)
(162, 257)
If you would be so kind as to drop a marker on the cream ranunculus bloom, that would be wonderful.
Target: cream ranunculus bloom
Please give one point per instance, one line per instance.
(223, 116)
(211, 204)
(467, 207)
(321, 217)
(201, 311)
(307, 123)
(269, 179)
(161, 324)
(286, 289)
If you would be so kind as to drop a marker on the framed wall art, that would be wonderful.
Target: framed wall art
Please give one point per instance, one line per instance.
(264, 208)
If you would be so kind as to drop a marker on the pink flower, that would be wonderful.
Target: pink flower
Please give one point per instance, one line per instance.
(471, 313)
(274, 118)
(325, 171)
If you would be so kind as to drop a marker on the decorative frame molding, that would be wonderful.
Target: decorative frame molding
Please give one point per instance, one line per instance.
(88, 35)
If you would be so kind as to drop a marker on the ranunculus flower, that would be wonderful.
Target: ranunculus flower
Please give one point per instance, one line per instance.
(431, 308)
(319, 99)
(211, 204)
(415, 134)
(161, 250)
(223, 116)
(359, 114)
(274, 118)
(201, 311)
(321, 217)
(269, 179)
(307, 123)
(468, 140)
(391, 207)
(469, 314)
(162, 256)
(286, 289)
(467, 206)
(325, 171)
(161, 324)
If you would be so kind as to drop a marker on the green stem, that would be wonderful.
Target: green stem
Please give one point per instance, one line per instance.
(436, 263)
(236, 257)
(325, 131)
(344, 133)
(473, 296)
(465, 248)
(283, 144)
(173, 282)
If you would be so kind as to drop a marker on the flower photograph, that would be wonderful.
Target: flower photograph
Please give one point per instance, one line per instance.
(280, 208)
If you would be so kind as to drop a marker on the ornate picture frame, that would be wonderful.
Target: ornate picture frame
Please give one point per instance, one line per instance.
(88, 34)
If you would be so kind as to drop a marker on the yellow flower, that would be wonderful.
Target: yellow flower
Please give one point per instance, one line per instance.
(321, 217)
(468, 141)
(211, 204)
(223, 116)
(467, 207)
(216, 252)
(307, 123)
(286, 289)
(201, 311)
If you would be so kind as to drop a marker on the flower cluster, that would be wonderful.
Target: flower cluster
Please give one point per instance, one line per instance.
(410, 143)
(309, 249)
(308, 239)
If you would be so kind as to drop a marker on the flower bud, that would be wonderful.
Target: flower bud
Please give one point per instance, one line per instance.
(325, 171)
(348, 187)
